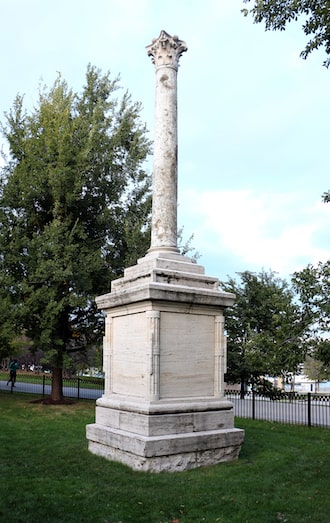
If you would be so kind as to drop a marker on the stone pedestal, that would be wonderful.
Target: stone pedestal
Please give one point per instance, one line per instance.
(164, 359)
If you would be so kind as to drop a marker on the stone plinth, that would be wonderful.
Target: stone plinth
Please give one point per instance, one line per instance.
(164, 360)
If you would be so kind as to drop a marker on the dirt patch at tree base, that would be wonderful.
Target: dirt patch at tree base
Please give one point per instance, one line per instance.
(49, 401)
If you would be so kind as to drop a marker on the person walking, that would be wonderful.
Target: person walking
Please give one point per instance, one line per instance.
(13, 366)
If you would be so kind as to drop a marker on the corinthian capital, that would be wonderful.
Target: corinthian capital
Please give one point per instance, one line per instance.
(166, 50)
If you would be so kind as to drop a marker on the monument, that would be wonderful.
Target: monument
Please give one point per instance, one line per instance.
(163, 407)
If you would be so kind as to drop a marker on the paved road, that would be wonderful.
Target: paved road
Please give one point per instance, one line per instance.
(37, 388)
(284, 411)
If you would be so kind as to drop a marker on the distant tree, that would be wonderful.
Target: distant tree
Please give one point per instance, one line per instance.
(276, 14)
(74, 211)
(316, 370)
(264, 328)
(313, 287)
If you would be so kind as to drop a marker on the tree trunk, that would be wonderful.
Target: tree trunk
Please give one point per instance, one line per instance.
(243, 389)
(57, 384)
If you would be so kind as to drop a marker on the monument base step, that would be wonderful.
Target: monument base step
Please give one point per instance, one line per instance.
(172, 453)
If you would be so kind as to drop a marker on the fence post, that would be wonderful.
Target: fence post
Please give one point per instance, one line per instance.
(309, 409)
(78, 388)
(43, 385)
(253, 405)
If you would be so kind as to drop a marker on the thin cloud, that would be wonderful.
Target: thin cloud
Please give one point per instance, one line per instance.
(260, 229)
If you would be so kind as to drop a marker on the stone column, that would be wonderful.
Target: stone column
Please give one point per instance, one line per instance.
(164, 350)
(220, 356)
(153, 330)
(107, 355)
(165, 52)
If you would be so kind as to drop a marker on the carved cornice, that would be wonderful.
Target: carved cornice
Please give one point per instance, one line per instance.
(166, 50)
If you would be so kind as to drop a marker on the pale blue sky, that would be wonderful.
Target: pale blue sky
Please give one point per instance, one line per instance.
(253, 116)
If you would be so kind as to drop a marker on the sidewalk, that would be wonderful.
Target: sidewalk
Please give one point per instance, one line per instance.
(39, 388)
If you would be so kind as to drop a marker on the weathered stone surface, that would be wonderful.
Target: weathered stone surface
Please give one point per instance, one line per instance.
(165, 52)
(163, 406)
(153, 446)
(161, 424)
(172, 454)
(165, 277)
(165, 356)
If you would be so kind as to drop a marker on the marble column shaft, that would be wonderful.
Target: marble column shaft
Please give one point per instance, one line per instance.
(165, 52)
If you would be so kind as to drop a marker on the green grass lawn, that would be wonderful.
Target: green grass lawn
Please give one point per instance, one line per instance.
(48, 475)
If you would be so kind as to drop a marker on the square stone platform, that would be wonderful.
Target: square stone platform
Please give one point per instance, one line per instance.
(163, 406)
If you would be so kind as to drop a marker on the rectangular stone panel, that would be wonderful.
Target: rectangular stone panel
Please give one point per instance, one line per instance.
(129, 355)
(187, 348)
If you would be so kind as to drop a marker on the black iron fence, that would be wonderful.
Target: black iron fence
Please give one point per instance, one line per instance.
(79, 387)
(311, 409)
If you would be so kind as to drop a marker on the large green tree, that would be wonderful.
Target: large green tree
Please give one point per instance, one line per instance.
(313, 287)
(276, 14)
(74, 211)
(265, 328)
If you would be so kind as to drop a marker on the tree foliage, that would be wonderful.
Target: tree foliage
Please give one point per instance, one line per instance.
(276, 14)
(326, 197)
(316, 370)
(313, 287)
(185, 246)
(264, 328)
(74, 211)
